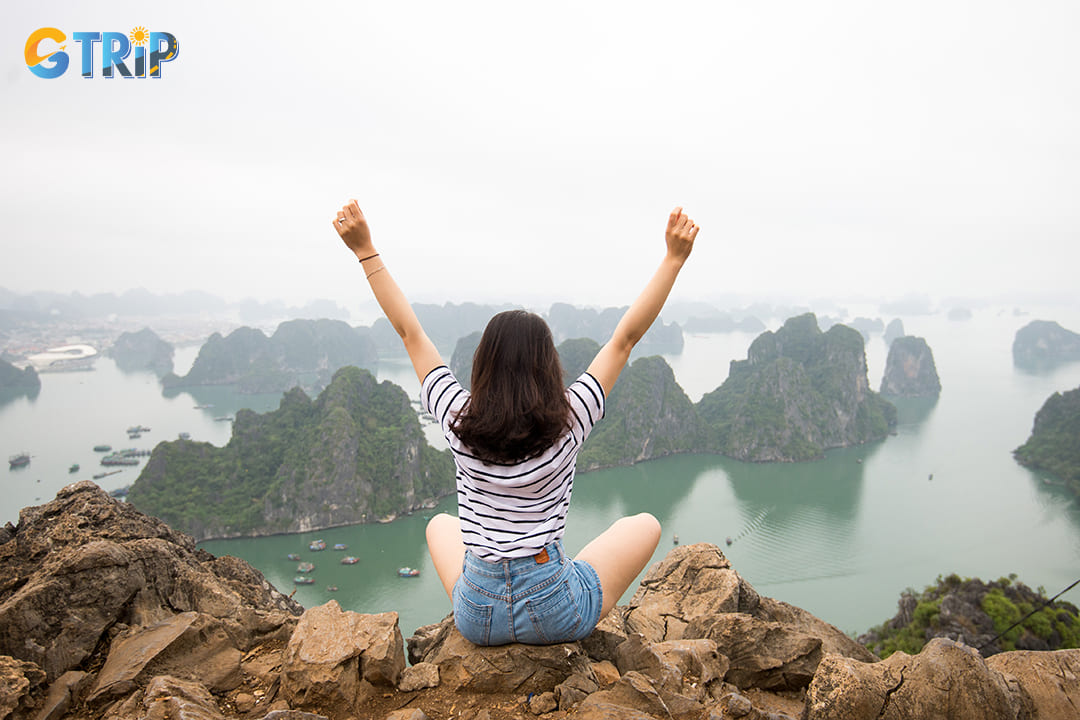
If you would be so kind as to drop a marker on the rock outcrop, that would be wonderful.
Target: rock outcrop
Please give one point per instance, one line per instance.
(1043, 345)
(106, 614)
(142, 350)
(910, 370)
(799, 392)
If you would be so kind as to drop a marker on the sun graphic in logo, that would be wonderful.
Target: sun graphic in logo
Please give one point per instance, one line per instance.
(139, 35)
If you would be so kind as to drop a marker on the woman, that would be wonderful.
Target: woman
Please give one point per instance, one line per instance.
(515, 440)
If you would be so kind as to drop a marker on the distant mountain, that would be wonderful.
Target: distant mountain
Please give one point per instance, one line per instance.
(867, 326)
(910, 370)
(798, 393)
(1043, 345)
(444, 324)
(355, 454)
(568, 322)
(142, 350)
(722, 322)
(1053, 445)
(300, 352)
(895, 329)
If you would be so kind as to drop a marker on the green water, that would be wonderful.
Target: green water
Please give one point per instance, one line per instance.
(840, 537)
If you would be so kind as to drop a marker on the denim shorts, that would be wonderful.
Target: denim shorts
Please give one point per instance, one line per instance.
(525, 601)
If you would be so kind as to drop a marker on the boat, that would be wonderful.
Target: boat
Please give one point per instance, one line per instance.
(134, 436)
(224, 418)
(19, 460)
(106, 474)
(292, 556)
(305, 567)
(349, 560)
(120, 492)
(408, 572)
(74, 468)
(331, 588)
(303, 580)
(341, 546)
(204, 407)
(317, 545)
(102, 448)
(118, 459)
(138, 429)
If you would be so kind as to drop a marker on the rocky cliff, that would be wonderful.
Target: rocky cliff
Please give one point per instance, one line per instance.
(355, 454)
(1053, 445)
(910, 370)
(142, 350)
(302, 353)
(106, 614)
(1043, 345)
(894, 330)
(799, 392)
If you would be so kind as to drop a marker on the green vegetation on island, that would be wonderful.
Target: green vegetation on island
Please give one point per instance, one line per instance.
(976, 613)
(355, 454)
(799, 392)
(1054, 445)
(303, 353)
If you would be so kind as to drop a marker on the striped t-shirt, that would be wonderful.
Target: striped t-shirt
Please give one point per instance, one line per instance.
(513, 510)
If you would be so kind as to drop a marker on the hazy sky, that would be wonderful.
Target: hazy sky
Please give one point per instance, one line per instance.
(518, 151)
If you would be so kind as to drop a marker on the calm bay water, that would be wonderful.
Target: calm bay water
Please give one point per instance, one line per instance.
(841, 537)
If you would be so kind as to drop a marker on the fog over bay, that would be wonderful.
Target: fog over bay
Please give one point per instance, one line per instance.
(531, 153)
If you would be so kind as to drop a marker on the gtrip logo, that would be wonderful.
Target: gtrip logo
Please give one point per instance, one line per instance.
(46, 56)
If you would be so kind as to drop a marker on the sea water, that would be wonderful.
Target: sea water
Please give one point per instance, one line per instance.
(840, 537)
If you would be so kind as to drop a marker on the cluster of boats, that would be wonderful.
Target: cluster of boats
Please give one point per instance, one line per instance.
(304, 569)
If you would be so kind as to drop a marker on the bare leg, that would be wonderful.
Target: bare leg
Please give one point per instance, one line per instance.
(447, 549)
(620, 553)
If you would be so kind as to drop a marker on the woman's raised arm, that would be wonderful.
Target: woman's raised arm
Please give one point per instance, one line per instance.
(352, 226)
(636, 321)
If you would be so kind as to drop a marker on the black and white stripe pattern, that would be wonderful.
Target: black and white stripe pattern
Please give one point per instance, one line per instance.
(513, 510)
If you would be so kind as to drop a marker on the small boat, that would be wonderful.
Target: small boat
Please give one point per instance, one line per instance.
(224, 418)
(138, 429)
(102, 448)
(331, 588)
(317, 545)
(106, 474)
(407, 572)
(303, 580)
(204, 407)
(74, 468)
(134, 436)
(119, 492)
(341, 546)
(349, 560)
(19, 460)
(292, 556)
(675, 540)
(305, 567)
(729, 540)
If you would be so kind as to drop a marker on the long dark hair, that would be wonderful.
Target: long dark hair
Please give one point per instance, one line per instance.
(518, 407)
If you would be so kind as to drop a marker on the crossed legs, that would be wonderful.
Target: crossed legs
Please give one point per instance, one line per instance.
(618, 554)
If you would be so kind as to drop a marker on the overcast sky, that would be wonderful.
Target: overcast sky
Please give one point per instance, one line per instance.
(516, 152)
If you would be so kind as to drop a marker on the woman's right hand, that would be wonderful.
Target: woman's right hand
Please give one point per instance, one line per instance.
(352, 226)
(680, 234)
